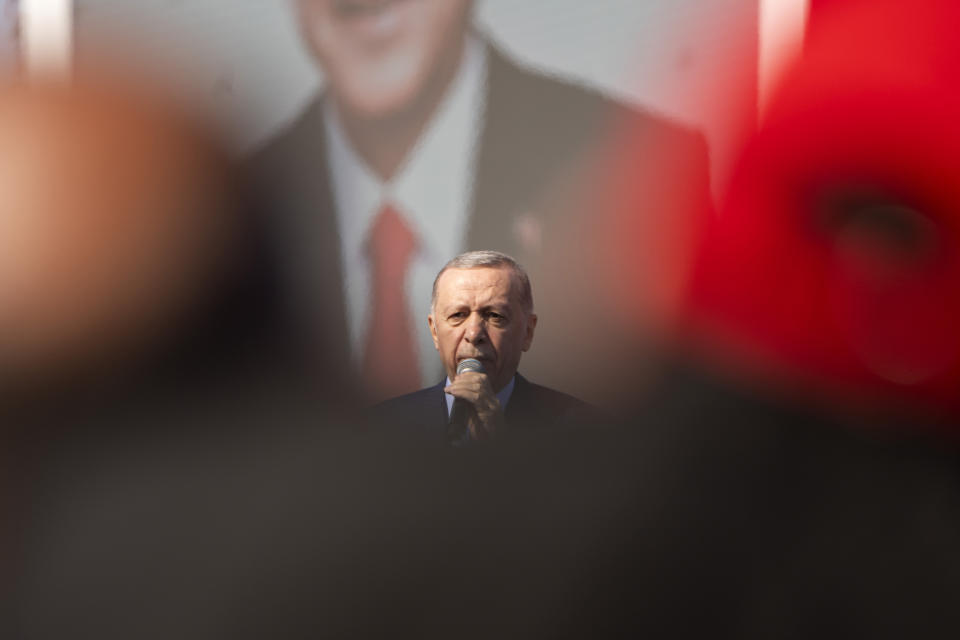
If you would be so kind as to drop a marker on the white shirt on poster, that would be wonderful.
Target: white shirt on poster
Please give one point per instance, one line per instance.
(432, 191)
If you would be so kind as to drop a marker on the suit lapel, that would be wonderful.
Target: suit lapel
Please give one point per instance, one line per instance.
(309, 236)
(519, 406)
(438, 400)
(535, 132)
(498, 190)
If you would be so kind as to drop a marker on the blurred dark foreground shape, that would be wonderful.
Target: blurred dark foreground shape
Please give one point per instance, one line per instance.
(117, 229)
(132, 293)
(820, 333)
(130, 271)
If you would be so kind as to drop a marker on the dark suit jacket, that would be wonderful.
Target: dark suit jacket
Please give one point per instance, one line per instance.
(530, 406)
(541, 141)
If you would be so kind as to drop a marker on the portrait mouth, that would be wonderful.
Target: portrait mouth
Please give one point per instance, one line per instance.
(373, 22)
(350, 8)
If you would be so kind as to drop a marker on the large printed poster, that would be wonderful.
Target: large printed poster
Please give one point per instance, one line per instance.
(481, 125)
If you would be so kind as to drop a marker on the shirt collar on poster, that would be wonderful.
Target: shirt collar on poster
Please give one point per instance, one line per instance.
(433, 188)
(433, 191)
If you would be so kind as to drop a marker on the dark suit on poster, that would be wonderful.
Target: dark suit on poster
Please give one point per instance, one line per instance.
(540, 137)
(531, 405)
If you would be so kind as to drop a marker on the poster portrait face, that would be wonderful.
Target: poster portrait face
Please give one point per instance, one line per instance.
(380, 57)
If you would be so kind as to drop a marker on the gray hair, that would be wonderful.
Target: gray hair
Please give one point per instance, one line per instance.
(487, 258)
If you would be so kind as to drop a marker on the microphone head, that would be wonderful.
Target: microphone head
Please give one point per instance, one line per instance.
(470, 364)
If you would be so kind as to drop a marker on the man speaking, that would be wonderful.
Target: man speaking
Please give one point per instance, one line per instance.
(482, 320)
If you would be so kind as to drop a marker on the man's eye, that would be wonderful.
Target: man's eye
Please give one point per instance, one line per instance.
(496, 318)
(459, 315)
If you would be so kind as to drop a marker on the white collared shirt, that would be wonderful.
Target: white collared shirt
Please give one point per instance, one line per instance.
(432, 191)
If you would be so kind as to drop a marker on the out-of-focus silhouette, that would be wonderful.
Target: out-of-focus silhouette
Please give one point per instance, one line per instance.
(117, 229)
(820, 340)
(130, 279)
(837, 254)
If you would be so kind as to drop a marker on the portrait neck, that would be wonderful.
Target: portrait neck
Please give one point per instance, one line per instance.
(383, 142)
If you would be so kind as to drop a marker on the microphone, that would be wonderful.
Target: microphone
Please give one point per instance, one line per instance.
(461, 410)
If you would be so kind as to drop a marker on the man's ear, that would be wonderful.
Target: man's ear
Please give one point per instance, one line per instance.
(433, 331)
(531, 325)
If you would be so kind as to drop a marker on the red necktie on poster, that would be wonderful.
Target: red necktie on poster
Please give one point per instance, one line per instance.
(390, 366)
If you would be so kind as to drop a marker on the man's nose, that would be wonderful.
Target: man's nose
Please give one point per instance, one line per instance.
(476, 330)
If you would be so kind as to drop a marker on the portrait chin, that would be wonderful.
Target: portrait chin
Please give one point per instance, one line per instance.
(372, 89)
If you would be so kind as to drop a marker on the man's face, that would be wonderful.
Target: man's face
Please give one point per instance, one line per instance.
(478, 315)
(380, 56)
